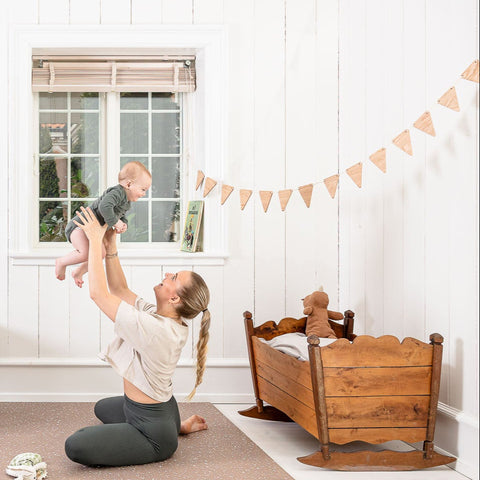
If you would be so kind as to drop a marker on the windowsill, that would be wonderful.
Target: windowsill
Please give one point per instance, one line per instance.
(127, 256)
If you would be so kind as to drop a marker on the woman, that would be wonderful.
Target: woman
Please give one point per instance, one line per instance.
(143, 425)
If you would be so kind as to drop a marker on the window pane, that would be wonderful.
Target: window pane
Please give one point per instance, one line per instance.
(165, 133)
(84, 101)
(85, 173)
(165, 177)
(134, 101)
(85, 132)
(134, 133)
(53, 132)
(165, 221)
(53, 101)
(137, 218)
(48, 177)
(124, 160)
(53, 219)
(164, 101)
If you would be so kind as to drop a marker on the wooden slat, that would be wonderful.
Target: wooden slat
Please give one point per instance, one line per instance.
(392, 411)
(376, 435)
(286, 365)
(377, 381)
(296, 410)
(288, 385)
(366, 351)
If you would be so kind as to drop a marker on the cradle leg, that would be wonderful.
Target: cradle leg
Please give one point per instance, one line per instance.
(265, 413)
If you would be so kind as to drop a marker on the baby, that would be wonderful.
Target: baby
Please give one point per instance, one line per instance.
(133, 182)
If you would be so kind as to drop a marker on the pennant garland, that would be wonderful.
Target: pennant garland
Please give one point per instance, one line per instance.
(449, 99)
(265, 197)
(379, 158)
(200, 177)
(425, 124)
(355, 173)
(403, 141)
(284, 197)
(306, 193)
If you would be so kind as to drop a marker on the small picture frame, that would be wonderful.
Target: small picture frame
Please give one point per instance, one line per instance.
(192, 232)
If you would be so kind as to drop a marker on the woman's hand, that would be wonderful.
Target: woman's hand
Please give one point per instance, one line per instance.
(90, 225)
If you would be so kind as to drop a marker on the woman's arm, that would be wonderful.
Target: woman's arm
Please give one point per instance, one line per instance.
(99, 293)
(115, 276)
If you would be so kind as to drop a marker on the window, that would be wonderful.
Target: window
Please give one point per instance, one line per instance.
(201, 115)
(73, 156)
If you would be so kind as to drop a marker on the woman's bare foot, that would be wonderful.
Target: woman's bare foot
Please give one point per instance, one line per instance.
(77, 277)
(59, 270)
(193, 424)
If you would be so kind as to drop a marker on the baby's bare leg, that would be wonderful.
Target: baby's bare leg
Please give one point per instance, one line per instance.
(193, 424)
(79, 255)
(82, 269)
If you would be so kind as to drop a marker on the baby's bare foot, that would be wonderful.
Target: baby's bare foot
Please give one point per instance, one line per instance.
(78, 278)
(193, 424)
(59, 270)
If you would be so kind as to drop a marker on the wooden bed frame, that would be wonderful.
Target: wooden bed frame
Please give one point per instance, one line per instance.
(358, 388)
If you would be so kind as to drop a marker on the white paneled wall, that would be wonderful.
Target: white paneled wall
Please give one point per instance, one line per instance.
(313, 87)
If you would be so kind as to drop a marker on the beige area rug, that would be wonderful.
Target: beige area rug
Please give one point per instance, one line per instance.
(222, 452)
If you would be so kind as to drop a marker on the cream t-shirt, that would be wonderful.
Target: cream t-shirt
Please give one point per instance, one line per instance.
(146, 348)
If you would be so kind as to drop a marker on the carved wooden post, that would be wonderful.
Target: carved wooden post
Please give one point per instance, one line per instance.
(348, 324)
(249, 330)
(436, 340)
(316, 369)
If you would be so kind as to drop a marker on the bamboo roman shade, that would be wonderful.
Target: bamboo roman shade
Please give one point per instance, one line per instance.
(60, 73)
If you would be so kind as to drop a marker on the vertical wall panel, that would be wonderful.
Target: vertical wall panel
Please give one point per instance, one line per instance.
(53, 11)
(22, 11)
(53, 305)
(239, 289)
(177, 11)
(208, 11)
(305, 159)
(146, 11)
(84, 316)
(269, 121)
(115, 12)
(351, 151)
(85, 12)
(23, 312)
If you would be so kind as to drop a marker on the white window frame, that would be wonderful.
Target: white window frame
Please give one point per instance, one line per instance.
(207, 110)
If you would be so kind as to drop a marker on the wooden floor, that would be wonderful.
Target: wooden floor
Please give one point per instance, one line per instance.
(284, 442)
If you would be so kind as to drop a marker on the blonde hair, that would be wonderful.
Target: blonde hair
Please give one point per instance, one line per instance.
(194, 299)
(132, 170)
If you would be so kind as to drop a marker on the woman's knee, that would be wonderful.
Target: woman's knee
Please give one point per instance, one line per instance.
(75, 447)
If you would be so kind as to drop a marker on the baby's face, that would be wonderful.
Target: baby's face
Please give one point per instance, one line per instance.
(139, 187)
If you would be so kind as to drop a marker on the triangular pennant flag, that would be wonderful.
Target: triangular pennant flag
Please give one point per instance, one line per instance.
(449, 99)
(265, 196)
(403, 142)
(331, 184)
(200, 177)
(355, 173)
(471, 73)
(226, 191)
(244, 196)
(284, 196)
(209, 184)
(425, 124)
(306, 193)
(379, 158)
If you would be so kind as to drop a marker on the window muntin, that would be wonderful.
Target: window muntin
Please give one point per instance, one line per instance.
(71, 162)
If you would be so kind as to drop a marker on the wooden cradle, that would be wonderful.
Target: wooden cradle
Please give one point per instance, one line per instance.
(371, 389)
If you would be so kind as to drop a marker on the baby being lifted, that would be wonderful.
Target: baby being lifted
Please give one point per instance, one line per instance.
(133, 182)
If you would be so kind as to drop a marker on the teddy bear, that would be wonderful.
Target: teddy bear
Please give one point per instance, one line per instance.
(315, 307)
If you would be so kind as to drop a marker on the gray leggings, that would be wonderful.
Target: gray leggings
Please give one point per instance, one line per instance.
(133, 433)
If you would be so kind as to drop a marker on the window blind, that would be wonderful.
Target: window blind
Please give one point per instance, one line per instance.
(60, 73)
